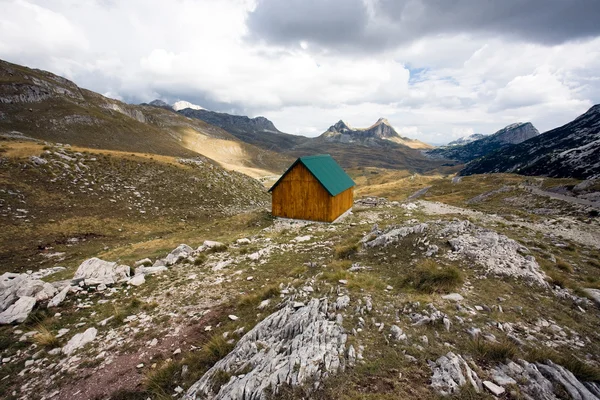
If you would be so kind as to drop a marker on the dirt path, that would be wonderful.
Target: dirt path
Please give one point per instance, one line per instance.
(586, 234)
(558, 196)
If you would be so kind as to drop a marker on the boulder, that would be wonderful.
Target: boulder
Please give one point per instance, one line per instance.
(95, 271)
(137, 280)
(180, 252)
(19, 311)
(291, 346)
(9, 284)
(80, 340)
(397, 333)
(594, 294)
(143, 262)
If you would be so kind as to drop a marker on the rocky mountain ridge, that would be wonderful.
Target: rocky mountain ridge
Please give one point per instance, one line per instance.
(44, 106)
(381, 130)
(466, 139)
(572, 150)
(509, 135)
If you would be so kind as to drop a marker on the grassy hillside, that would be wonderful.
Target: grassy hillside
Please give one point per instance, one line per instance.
(47, 107)
(79, 201)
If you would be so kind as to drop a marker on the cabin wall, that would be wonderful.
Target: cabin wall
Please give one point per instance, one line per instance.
(300, 196)
(341, 203)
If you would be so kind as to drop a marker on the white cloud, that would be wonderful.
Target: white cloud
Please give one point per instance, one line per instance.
(434, 87)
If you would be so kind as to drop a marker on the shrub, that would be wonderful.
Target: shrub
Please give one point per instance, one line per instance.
(217, 249)
(45, 338)
(564, 266)
(345, 251)
(200, 259)
(430, 277)
(493, 351)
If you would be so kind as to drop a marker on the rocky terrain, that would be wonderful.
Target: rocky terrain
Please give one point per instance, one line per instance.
(473, 149)
(571, 150)
(471, 291)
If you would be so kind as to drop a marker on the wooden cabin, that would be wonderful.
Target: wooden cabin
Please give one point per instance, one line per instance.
(314, 188)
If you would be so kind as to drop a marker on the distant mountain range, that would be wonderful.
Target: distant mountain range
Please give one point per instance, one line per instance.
(44, 106)
(572, 150)
(380, 130)
(511, 134)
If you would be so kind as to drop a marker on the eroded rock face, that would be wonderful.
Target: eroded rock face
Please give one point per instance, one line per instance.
(95, 271)
(291, 346)
(394, 235)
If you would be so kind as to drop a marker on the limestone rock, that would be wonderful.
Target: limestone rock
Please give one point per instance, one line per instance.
(453, 297)
(59, 298)
(397, 333)
(594, 294)
(141, 270)
(80, 340)
(291, 346)
(180, 252)
(19, 311)
(95, 271)
(450, 372)
(493, 388)
(137, 280)
(393, 235)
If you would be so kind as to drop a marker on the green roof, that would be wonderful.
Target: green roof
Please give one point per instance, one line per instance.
(326, 171)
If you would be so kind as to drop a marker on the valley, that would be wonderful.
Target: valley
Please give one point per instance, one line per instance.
(140, 260)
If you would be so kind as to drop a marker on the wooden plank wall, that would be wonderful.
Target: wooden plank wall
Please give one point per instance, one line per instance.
(300, 196)
(341, 203)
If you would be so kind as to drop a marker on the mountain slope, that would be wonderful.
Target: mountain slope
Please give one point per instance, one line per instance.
(511, 134)
(258, 131)
(572, 150)
(48, 107)
(467, 139)
(380, 130)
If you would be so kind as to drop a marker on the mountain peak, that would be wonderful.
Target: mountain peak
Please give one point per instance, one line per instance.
(159, 103)
(382, 121)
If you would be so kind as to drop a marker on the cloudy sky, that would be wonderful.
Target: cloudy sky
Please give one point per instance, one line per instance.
(436, 69)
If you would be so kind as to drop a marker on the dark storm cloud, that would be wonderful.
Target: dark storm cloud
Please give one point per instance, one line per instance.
(328, 22)
(388, 23)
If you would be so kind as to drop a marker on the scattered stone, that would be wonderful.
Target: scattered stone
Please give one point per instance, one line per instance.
(233, 317)
(264, 304)
(143, 262)
(343, 281)
(59, 298)
(243, 241)
(453, 297)
(397, 333)
(299, 239)
(137, 280)
(594, 294)
(140, 365)
(493, 388)
(80, 340)
(180, 252)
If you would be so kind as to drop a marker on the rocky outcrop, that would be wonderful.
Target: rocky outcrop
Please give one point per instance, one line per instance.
(393, 235)
(95, 271)
(18, 295)
(450, 372)
(497, 253)
(292, 346)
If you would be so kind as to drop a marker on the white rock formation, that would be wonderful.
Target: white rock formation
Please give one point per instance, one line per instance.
(450, 372)
(137, 280)
(180, 252)
(19, 311)
(95, 271)
(290, 346)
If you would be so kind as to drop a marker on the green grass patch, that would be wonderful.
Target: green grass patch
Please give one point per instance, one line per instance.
(431, 277)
